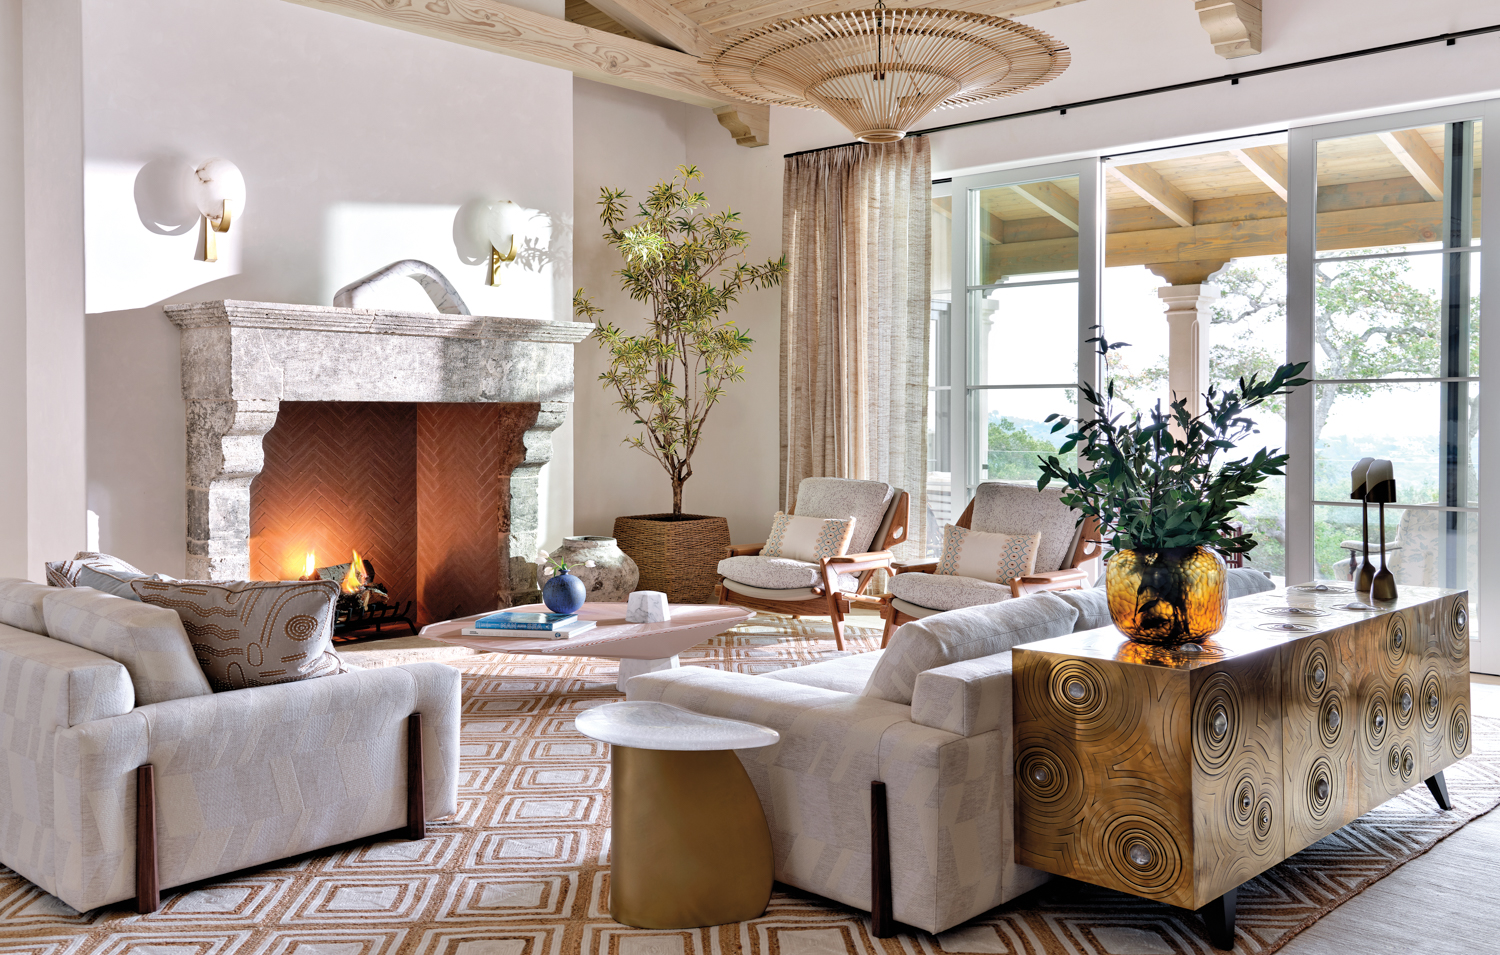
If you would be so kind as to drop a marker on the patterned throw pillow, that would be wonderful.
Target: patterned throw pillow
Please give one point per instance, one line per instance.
(64, 573)
(807, 538)
(997, 558)
(253, 632)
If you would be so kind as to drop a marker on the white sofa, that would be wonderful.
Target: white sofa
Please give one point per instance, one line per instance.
(931, 718)
(242, 778)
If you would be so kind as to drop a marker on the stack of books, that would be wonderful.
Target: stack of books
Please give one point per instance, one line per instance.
(528, 626)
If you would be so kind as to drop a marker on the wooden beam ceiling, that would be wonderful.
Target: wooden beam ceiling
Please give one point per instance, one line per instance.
(1412, 151)
(1047, 197)
(1233, 26)
(1268, 165)
(1149, 185)
(657, 21)
(502, 28)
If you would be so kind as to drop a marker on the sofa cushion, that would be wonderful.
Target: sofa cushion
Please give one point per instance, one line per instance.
(997, 558)
(148, 641)
(865, 501)
(778, 573)
(1092, 605)
(946, 592)
(1243, 582)
(254, 632)
(21, 604)
(1001, 507)
(811, 539)
(847, 674)
(965, 635)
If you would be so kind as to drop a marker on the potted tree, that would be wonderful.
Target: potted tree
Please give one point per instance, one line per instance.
(1165, 492)
(686, 265)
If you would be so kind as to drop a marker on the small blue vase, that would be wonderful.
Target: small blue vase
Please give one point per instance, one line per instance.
(564, 593)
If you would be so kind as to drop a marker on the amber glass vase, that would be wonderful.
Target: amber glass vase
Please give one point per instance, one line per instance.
(1167, 597)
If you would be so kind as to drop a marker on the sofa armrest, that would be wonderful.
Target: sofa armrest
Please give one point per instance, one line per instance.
(965, 698)
(251, 776)
(55, 685)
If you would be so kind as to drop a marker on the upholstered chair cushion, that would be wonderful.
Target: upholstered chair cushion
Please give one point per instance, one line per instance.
(253, 632)
(810, 539)
(21, 604)
(865, 501)
(778, 573)
(943, 592)
(148, 641)
(965, 634)
(997, 558)
(1004, 508)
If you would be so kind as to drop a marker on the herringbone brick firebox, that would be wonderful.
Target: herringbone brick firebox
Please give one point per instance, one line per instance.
(421, 490)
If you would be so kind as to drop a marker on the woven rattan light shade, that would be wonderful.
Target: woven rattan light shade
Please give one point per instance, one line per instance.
(879, 71)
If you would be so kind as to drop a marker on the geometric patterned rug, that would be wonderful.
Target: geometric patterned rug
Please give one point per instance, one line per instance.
(523, 869)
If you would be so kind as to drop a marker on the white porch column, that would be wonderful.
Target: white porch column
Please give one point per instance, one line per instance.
(1187, 354)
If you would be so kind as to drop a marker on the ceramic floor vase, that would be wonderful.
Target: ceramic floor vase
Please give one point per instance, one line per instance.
(614, 575)
(1169, 596)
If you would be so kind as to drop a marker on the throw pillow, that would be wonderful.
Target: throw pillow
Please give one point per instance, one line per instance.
(253, 632)
(148, 641)
(996, 558)
(64, 573)
(807, 538)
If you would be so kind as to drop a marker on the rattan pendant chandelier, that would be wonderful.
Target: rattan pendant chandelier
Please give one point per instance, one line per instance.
(879, 71)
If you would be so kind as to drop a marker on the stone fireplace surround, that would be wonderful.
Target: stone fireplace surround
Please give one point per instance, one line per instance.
(240, 360)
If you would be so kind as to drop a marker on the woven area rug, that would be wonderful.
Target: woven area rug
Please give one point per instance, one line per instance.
(524, 867)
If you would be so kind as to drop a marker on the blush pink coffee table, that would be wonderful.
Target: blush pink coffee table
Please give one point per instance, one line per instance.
(640, 647)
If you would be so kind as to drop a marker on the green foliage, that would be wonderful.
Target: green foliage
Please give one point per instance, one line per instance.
(684, 264)
(1014, 452)
(1152, 488)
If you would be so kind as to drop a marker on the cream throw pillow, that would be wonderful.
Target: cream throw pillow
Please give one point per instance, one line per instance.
(996, 558)
(807, 538)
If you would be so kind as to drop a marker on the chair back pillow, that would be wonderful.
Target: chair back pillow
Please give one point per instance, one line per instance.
(865, 501)
(993, 558)
(21, 604)
(965, 634)
(148, 641)
(809, 539)
(253, 632)
(1001, 507)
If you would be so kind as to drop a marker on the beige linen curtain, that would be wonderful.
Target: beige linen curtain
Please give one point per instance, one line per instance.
(857, 231)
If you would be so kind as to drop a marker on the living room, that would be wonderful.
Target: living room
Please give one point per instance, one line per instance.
(187, 387)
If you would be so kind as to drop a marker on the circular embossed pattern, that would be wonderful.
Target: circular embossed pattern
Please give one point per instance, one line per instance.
(1393, 761)
(1320, 589)
(1403, 701)
(1294, 611)
(1458, 630)
(301, 627)
(1315, 673)
(1408, 763)
(1458, 729)
(1051, 782)
(1142, 853)
(1397, 640)
(1078, 689)
(1430, 700)
(1242, 804)
(1331, 718)
(1377, 719)
(1286, 627)
(1320, 787)
(1216, 721)
(1264, 816)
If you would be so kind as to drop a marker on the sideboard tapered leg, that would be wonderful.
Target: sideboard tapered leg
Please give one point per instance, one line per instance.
(1439, 787)
(1219, 917)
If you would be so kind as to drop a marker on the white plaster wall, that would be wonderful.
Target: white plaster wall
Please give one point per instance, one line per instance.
(358, 144)
(13, 534)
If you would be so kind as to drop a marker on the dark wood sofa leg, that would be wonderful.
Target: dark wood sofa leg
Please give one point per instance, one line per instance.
(1439, 787)
(147, 882)
(416, 794)
(1218, 915)
(882, 909)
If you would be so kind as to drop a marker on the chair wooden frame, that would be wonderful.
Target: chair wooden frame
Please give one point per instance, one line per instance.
(828, 598)
(1071, 577)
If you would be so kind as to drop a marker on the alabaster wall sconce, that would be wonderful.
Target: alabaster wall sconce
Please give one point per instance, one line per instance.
(217, 188)
(492, 232)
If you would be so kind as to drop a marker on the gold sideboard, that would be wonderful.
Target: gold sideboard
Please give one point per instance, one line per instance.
(1178, 775)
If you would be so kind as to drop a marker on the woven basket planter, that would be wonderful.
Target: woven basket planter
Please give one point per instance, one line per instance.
(678, 556)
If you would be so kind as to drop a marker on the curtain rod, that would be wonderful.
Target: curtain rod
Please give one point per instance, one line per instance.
(1232, 79)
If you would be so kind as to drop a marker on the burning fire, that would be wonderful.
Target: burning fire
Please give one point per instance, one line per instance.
(355, 578)
(310, 567)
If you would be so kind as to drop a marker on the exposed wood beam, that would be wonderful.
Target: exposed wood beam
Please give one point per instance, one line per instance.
(1232, 25)
(659, 22)
(502, 28)
(1147, 183)
(1047, 197)
(1268, 165)
(1425, 166)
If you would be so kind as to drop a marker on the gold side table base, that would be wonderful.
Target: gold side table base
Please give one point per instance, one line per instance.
(690, 843)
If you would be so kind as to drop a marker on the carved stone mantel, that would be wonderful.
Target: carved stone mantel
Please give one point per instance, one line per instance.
(240, 360)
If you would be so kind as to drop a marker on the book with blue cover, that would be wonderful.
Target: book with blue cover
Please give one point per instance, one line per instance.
(510, 620)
